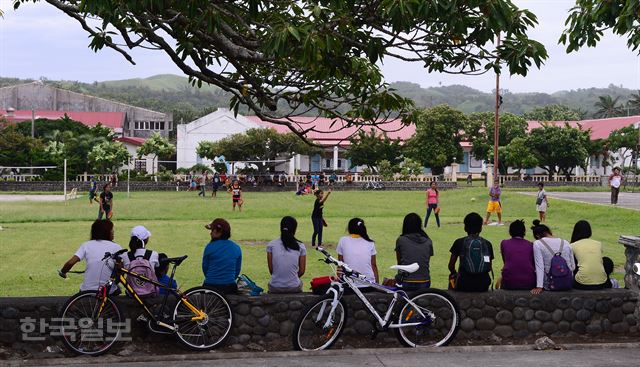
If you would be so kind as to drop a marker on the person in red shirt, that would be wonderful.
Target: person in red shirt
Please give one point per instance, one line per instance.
(433, 196)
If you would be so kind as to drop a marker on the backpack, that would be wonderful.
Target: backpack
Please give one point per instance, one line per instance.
(560, 275)
(248, 286)
(475, 252)
(141, 266)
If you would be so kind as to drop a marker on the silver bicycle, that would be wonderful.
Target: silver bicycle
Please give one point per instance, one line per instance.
(428, 317)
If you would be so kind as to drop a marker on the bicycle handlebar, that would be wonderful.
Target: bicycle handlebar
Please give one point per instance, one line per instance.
(108, 255)
(332, 260)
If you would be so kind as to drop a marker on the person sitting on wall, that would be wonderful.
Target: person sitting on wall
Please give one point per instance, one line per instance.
(475, 254)
(222, 259)
(519, 270)
(287, 259)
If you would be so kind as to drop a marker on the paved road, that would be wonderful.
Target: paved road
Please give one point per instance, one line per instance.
(625, 199)
(520, 356)
(11, 198)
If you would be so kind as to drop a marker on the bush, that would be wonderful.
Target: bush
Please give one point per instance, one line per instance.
(199, 168)
(386, 170)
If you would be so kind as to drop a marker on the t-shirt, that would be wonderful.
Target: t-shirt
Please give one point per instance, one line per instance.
(543, 256)
(317, 209)
(519, 270)
(415, 248)
(221, 262)
(153, 259)
(92, 186)
(106, 198)
(357, 252)
(235, 192)
(588, 254)
(97, 271)
(470, 282)
(541, 195)
(615, 180)
(286, 264)
(432, 196)
(495, 193)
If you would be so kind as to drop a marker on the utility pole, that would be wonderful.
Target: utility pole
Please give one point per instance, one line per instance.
(496, 128)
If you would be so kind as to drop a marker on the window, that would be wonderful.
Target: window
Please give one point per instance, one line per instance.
(339, 163)
(141, 165)
(327, 163)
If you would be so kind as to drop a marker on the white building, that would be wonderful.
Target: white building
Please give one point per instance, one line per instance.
(212, 127)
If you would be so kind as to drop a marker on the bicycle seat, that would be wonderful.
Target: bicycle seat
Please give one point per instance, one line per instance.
(174, 260)
(411, 268)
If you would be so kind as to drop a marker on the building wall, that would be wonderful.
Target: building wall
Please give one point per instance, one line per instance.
(45, 97)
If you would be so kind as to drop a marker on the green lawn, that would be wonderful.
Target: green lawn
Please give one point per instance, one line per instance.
(37, 238)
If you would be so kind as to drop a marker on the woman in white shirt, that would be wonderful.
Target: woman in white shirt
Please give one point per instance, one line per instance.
(358, 250)
(542, 256)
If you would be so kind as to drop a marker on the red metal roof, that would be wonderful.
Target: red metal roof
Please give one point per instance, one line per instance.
(325, 134)
(600, 128)
(131, 140)
(111, 120)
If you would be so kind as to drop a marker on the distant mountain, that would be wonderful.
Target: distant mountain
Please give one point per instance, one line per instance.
(161, 82)
(173, 93)
(472, 100)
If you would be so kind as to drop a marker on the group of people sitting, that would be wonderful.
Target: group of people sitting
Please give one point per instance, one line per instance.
(549, 263)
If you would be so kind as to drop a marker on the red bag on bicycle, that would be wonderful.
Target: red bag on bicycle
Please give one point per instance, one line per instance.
(320, 285)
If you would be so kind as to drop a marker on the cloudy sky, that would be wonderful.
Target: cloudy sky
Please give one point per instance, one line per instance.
(39, 41)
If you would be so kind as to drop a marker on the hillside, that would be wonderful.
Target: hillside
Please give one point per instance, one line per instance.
(172, 93)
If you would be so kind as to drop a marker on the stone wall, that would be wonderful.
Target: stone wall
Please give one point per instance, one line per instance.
(503, 317)
(43, 186)
(518, 184)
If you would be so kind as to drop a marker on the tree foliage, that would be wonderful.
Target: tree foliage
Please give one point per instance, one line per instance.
(625, 141)
(634, 103)
(18, 150)
(311, 54)
(436, 143)
(108, 156)
(553, 112)
(479, 131)
(589, 19)
(608, 106)
(517, 154)
(559, 149)
(156, 146)
(369, 148)
(255, 145)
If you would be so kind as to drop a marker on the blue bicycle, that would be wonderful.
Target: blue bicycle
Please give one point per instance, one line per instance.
(428, 317)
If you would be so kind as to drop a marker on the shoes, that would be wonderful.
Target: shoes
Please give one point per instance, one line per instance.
(493, 224)
(500, 224)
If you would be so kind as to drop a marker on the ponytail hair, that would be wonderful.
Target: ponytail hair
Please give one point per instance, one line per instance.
(540, 230)
(135, 243)
(288, 226)
(356, 226)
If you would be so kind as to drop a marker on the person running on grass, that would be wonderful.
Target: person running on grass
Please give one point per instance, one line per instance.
(106, 202)
(433, 196)
(236, 195)
(317, 217)
(494, 205)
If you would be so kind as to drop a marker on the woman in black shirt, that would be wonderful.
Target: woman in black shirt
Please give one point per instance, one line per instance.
(316, 216)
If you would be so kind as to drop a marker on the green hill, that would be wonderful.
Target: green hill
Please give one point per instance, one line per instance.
(161, 82)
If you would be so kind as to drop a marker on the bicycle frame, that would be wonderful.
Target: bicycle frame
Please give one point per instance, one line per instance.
(349, 277)
(118, 275)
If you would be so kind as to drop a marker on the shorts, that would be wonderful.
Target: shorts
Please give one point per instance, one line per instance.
(542, 207)
(236, 199)
(92, 194)
(494, 207)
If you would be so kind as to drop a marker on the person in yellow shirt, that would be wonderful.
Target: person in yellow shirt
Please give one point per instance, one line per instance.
(590, 272)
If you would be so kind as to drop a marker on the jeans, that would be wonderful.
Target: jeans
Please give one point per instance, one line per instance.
(317, 230)
(429, 209)
(614, 194)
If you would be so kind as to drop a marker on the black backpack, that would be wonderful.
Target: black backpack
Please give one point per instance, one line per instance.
(475, 251)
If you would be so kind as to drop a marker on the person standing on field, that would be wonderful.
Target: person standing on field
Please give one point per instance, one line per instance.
(542, 202)
(433, 196)
(317, 216)
(106, 202)
(495, 204)
(93, 186)
(615, 180)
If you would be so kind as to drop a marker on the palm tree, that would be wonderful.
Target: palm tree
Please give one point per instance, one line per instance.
(634, 103)
(608, 107)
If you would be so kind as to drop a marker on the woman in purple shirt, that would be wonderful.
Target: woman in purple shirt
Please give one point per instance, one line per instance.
(519, 270)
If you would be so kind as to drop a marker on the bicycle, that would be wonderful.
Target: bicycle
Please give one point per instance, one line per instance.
(428, 317)
(91, 321)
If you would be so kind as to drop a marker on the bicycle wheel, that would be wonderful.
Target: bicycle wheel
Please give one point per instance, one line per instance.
(314, 330)
(85, 328)
(439, 324)
(206, 333)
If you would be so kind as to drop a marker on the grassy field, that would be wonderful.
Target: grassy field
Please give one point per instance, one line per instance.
(38, 237)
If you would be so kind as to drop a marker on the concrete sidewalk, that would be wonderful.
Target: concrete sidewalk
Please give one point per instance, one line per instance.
(626, 200)
(603, 354)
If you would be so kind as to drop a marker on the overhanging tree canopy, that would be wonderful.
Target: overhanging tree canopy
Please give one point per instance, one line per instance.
(320, 55)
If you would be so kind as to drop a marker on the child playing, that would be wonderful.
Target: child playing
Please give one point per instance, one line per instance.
(236, 195)
(494, 205)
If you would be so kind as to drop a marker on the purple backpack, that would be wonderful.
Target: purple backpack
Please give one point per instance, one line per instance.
(142, 266)
(560, 275)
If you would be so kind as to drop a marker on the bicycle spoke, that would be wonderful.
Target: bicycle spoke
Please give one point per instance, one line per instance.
(319, 328)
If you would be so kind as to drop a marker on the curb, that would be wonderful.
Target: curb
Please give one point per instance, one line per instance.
(214, 355)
